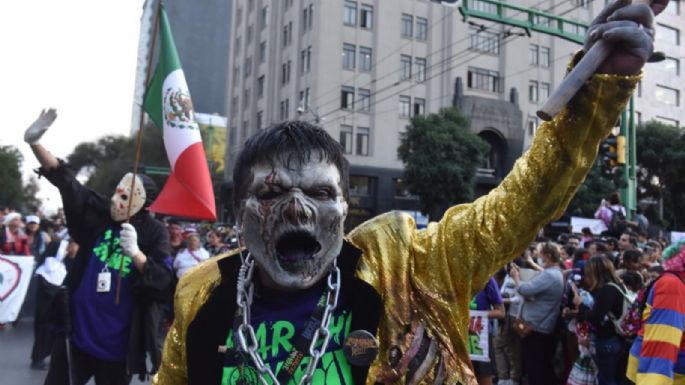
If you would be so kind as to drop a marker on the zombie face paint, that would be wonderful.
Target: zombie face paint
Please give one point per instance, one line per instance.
(292, 221)
(120, 200)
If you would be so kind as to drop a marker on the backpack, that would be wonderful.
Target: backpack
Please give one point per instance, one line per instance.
(632, 322)
(618, 223)
(625, 312)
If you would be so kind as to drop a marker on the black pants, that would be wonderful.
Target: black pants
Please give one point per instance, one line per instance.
(43, 324)
(537, 351)
(83, 367)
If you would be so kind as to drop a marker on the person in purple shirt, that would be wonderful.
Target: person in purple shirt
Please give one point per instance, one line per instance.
(490, 300)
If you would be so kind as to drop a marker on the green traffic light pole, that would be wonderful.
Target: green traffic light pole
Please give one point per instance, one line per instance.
(628, 190)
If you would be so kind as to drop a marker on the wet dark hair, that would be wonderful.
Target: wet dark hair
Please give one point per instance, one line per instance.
(292, 142)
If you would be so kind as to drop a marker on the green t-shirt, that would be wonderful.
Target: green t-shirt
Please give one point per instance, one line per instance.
(278, 318)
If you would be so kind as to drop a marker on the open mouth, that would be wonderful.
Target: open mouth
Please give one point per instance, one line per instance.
(296, 246)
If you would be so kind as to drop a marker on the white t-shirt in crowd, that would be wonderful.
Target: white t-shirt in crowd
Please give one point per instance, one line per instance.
(186, 259)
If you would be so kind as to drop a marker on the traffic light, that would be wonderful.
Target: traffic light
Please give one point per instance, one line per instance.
(612, 154)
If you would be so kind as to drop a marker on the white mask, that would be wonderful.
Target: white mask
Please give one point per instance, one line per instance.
(120, 200)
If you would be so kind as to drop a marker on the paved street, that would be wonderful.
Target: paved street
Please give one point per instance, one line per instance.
(15, 350)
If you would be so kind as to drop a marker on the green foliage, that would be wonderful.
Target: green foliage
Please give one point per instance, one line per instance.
(660, 158)
(440, 157)
(14, 193)
(595, 188)
(110, 157)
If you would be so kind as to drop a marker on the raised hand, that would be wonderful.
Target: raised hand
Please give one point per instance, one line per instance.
(36, 130)
(629, 28)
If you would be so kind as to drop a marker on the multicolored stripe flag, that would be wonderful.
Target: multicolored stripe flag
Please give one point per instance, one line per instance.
(188, 191)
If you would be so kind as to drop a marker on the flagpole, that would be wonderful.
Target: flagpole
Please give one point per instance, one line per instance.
(139, 139)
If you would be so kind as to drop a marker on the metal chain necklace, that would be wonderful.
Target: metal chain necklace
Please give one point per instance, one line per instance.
(247, 340)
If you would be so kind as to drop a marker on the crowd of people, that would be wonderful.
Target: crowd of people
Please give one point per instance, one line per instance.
(574, 310)
(47, 240)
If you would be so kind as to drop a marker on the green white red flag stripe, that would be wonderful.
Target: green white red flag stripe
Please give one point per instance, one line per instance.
(188, 191)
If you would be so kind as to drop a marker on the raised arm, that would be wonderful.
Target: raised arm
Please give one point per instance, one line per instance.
(472, 241)
(33, 134)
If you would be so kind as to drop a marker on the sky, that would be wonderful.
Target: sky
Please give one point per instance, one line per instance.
(78, 56)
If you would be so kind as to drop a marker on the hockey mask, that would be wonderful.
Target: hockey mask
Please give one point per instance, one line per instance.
(120, 200)
(292, 221)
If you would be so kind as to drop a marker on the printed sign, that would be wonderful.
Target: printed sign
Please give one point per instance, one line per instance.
(15, 275)
(478, 342)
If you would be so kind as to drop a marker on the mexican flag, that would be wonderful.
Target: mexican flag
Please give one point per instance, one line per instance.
(188, 191)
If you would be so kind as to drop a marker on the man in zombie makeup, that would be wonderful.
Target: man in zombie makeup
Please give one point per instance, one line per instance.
(387, 304)
(109, 340)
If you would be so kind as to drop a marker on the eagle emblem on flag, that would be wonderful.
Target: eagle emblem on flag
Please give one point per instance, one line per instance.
(178, 109)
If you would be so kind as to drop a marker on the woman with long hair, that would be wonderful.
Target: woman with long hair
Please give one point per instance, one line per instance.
(608, 293)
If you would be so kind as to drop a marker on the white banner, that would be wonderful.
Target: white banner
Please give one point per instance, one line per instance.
(676, 236)
(597, 226)
(478, 341)
(15, 275)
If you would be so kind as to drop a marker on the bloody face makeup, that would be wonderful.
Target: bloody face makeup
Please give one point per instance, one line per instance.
(122, 194)
(292, 221)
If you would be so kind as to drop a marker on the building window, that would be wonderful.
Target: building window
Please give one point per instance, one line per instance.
(287, 34)
(482, 79)
(533, 90)
(348, 56)
(347, 98)
(260, 86)
(262, 52)
(250, 32)
(285, 72)
(311, 16)
(239, 17)
(420, 64)
(544, 91)
(668, 121)
(350, 13)
(405, 67)
(236, 74)
(583, 3)
(363, 141)
(419, 106)
(366, 16)
(305, 19)
(304, 99)
(248, 67)
(668, 35)
(234, 105)
(365, 59)
(407, 25)
(236, 47)
(534, 54)
(639, 89)
(482, 6)
(259, 118)
(667, 95)
(363, 100)
(671, 66)
(532, 124)
(544, 57)
(346, 138)
(306, 60)
(264, 17)
(484, 41)
(246, 128)
(360, 185)
(246, 99)
(405, 106)
(421, 28)
(285, 107)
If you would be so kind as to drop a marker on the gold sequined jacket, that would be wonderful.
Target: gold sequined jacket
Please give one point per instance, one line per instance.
(426, 278)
